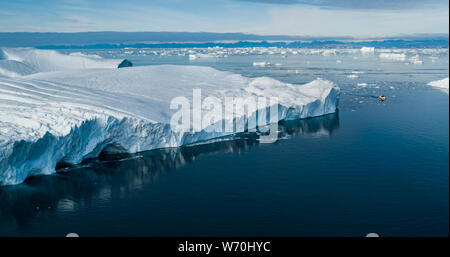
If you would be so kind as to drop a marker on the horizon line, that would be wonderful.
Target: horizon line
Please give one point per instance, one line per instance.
(423, 34)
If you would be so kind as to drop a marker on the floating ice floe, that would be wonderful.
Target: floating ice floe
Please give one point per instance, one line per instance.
(393, 56)
(434, 58)
(201, 56)
(327, 52)
(219, 52)
(74, 111)
(416, 60)
(367, 50)
(261, 64)
(440, 84)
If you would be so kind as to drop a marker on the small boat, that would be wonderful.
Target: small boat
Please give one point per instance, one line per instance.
(382, 97)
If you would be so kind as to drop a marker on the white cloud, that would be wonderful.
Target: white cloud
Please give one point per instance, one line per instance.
(301, 20)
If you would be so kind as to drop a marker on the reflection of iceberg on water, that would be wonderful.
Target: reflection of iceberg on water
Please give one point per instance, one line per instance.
(97, 179)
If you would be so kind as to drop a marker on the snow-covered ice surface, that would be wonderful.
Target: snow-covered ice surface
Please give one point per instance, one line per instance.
(65, 108)
(440, 84)
(24, 61)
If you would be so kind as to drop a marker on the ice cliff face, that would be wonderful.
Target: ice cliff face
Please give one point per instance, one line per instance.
(71, 109)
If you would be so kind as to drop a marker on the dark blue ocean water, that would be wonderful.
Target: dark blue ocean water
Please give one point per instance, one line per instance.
(372, 167)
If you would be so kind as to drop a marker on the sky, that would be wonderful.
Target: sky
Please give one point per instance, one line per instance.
(358, 18)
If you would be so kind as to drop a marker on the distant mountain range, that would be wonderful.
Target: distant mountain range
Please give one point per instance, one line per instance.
(206, 39)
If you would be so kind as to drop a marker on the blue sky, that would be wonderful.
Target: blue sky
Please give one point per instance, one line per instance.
(360, 18)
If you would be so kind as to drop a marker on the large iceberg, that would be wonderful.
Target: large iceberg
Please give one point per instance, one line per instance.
(72, 110)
